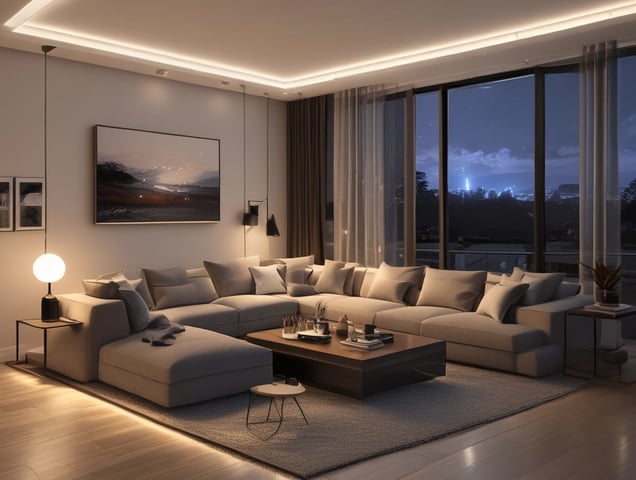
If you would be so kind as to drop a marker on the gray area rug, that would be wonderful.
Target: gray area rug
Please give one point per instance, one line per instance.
(342, 430)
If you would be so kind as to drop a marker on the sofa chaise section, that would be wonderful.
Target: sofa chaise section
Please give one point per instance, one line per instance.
(200, 365)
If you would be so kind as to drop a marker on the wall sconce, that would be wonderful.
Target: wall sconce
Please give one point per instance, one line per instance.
(250, 218)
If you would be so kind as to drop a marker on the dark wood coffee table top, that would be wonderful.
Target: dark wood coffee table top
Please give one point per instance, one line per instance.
(351, 371)
(402, 342)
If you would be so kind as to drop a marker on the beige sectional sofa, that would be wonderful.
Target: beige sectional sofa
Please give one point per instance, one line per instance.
(512, 323)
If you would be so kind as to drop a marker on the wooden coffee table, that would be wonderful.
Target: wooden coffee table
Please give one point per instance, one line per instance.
(356, 373)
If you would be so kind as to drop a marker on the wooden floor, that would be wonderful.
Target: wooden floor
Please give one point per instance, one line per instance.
(50, 431)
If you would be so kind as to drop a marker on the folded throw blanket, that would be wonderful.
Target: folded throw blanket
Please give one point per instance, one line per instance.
(161, 331)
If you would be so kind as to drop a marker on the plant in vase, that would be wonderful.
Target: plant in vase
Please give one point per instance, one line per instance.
(606, 278)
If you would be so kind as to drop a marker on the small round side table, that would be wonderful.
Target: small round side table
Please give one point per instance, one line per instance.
(275, 391)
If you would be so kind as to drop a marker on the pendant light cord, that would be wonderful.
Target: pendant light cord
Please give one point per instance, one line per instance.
(46, 49)
(244, 174)
(267, 147)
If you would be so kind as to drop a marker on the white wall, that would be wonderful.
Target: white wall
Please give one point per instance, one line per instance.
(81, 96)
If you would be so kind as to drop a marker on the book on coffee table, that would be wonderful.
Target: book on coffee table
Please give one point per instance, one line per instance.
(364, 344)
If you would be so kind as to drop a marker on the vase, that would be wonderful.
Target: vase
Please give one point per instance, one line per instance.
(607, 297)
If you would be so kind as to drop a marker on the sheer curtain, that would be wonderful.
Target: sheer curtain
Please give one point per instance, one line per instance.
(599, 191)
(359, 176)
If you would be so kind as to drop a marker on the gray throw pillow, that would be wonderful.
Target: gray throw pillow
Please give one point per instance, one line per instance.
(297, 268)
(232, 277)
(333, 278)
(300, 290)
(388, 289)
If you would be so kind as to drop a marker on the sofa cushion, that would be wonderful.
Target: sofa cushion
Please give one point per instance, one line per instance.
(209, 316)
(232, 277)
(451, 288)
(297, 268)
(359, 310)
(543, 286)
(172, 287)
(259, 312)
(408, 319)
(500, 297)
(269, 279)
(300, 290)
(470, 328)
(387, 279)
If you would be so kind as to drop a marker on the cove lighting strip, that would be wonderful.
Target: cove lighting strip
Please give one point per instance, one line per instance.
(22, 23)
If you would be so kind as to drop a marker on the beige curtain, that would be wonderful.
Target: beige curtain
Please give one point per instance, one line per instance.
(359, 176)
(599, 188)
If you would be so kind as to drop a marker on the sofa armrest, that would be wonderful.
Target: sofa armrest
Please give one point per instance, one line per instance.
(74, 352)
(548, 316)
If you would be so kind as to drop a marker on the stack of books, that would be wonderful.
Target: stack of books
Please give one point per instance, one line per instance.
(364, 344)
(597, 307)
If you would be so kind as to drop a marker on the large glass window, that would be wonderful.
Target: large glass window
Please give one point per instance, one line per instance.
(627, 172)
(427, 178)
(491, 175)
(562, 172)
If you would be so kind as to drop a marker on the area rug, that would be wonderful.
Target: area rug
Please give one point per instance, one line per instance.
(343, 431)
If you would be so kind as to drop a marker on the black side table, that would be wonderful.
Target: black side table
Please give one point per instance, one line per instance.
(45, 327)
(595, 314)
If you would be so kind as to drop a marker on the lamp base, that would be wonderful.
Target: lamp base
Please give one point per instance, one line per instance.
(50, 309)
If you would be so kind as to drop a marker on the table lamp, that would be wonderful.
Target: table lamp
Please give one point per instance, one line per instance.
(49, 268)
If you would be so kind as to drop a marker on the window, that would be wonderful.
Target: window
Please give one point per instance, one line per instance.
(562, 172)
(427, 178)
(491, 175)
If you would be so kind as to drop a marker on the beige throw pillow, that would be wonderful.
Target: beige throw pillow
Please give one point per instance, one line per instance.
(269, 279)
(500, 297)
(174, 287)
(387, 280)
(334, 277)
(451, 288)
(297, 268)
(543, 286)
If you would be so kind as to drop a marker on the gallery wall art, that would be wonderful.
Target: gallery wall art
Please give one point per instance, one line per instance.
(150, 177)
(29, 204)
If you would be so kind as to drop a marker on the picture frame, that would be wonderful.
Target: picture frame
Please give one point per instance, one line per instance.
(6, 204)
(30, 207)
(145, 177)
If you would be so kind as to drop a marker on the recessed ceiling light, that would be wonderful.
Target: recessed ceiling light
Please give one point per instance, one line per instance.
(162, 71)
(225, 82)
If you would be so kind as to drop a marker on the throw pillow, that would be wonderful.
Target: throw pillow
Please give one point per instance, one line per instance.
(499, 298)
(269, 279)
(451, 288)
(232, 277)
(136, 308)
(388, 277)
(300, 290)
(543, 286)
(173, 287)
(333, 278)
(296, 268)
(388, 289)
(101, 288)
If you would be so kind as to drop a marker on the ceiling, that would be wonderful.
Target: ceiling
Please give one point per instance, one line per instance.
(302, 48)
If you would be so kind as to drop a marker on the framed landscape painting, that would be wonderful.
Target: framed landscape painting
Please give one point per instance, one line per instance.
(29, 204)
(6, 204)
(152, 177)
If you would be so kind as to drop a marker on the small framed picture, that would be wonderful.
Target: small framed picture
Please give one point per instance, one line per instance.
(29, 203)
(6, 204)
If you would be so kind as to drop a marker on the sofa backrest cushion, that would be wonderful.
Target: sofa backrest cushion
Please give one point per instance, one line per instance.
(452, 288)
(543, 286)
(232, 277)
(176, 286)
(388, 283)
(296, 268)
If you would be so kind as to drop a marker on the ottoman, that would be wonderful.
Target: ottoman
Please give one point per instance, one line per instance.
(199, 366)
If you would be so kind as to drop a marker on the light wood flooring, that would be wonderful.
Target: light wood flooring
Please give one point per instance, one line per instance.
(50, 431)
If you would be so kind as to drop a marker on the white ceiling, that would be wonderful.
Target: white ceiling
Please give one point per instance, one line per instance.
(292, 48)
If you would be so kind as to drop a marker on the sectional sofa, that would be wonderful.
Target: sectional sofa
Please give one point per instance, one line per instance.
(511, 322)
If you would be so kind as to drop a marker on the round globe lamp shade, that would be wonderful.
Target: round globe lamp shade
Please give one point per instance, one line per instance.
(49, 268)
